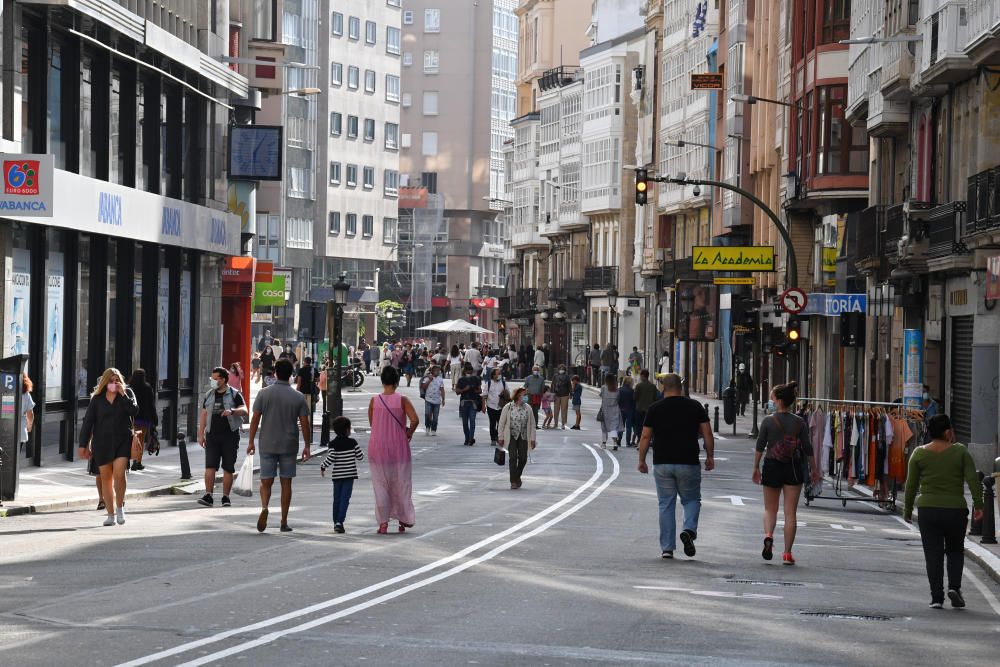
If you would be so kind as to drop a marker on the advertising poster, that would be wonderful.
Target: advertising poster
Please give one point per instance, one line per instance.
(54, 327)
(697, 311)
(185, 337)
(163, 316)
(913, 367)
(16, 341)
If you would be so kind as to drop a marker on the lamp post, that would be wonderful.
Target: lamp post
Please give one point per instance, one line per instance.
(686, 299)
(613, 305)
(335, 406)
(473, 316)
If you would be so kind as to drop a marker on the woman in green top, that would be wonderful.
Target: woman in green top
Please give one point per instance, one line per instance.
(937, 471)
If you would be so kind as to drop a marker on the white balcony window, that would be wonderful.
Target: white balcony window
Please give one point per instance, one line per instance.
(407, 59)
(354, 28)
(299, 234)
(369, 81)
(337, 24)
(432, 20)
(408, 17)
(393, 40)
(369, 178)
(432, 61)
(371, 32)
(407, 100)
(391, 88)
(390, 182)
(391, 135)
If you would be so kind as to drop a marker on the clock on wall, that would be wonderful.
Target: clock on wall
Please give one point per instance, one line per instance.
(255, 152)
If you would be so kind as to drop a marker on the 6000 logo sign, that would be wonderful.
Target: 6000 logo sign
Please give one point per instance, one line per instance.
(20, 177)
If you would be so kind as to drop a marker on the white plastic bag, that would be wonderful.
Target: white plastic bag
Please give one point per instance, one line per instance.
(243, 486)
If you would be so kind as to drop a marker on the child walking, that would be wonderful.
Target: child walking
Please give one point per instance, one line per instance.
(343, 457)
(548, 397)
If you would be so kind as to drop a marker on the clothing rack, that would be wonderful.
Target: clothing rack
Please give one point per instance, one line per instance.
(884, 495)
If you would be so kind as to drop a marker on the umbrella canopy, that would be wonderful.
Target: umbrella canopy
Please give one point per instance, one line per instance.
(456, 326)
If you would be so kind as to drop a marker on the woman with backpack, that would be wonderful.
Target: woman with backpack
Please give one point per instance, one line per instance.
(783, 444)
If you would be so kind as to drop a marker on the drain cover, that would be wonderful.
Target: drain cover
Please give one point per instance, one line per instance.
(846, 615)
(758, 582)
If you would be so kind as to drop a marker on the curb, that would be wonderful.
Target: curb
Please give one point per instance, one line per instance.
(182, 487)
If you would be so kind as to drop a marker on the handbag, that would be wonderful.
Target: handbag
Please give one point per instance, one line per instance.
(499, 456)
(600, 414)
(137, 438)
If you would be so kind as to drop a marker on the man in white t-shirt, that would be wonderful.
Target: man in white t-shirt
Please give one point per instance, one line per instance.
(472, 356)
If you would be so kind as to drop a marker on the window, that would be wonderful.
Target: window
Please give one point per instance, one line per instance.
(371, 31)
(432, 61)
(298, 234)
(334, 173)
(407, 59)
(337, 24)
(429, 144)
(392, 3)
(353, 73)
(836, 21)
(354, 28)
(430, 103)
(389, 231)
(369, 178)
(432, 20)
(407, 100)
(391, 88)
(391, 135)
(336, 123)
(429, 180)
(390, 182)
(841, 149)
(352, 127)
(393, 40)
(368, 226)
(336, 74)
(352, 175)
(352, 224)
(263, 20)
(369, 81)
(407, 17)
(334, 224)
(369, 129)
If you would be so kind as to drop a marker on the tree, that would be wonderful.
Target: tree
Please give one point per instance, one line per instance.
(383, 307)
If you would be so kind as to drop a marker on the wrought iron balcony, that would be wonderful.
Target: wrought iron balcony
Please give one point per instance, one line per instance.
(870, 233)
(571, 290)
(983, 201)
(526, 299)
(944, 229)
(895, 227)
(505, 306)
(557, 77)
(600, 277)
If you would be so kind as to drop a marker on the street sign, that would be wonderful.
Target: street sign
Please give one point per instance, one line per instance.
(261, 318)
(707, 81)
(834, 305)
(732, 258)
(748, 280)
(794, 300)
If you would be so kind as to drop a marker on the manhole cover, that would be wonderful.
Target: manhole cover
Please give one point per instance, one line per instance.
(846, 615)
(757, 582)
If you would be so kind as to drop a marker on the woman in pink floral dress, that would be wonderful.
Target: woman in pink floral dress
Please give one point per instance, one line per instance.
(389, 453)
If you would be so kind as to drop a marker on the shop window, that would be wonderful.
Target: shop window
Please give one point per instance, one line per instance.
(836, 21)
(164, 376)
(82, 380)
(19, 331)
(55, 322)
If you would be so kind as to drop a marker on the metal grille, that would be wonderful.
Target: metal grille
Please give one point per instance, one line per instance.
(846, 615)
(961, 376)
(758, 582)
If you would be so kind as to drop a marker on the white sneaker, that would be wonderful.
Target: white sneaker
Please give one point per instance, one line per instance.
(604, 445)
(120, 516)
(110, 521)
(427, 431)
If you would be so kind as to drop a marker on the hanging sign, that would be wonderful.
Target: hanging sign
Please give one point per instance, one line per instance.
(270, 294)
(707, 81)
(733, 258)
(27, 185)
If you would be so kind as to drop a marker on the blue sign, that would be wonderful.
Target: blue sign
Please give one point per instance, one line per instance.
(109, 209)
(834, 305)
(913, 367)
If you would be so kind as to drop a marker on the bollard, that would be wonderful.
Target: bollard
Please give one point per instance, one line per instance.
(976, 527)
(707, 411)
(185, 464)
(716, 418)
(989, 524)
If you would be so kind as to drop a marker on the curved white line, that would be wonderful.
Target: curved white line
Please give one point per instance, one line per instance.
(190, 646)
(461, 567)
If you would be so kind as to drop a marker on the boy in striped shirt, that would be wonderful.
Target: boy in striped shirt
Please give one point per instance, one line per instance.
(343, 457)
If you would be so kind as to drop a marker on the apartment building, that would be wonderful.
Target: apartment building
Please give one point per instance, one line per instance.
(357, 150)
(458, 67)
(115, 229)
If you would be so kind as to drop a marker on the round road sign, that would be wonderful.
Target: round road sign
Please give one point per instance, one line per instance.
(794, 300)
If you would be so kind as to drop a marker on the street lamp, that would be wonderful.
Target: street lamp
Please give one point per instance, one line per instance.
(905, 39)
(335, 406)
(613, 304)
(753, 99)
(681, 143)
(686, 299)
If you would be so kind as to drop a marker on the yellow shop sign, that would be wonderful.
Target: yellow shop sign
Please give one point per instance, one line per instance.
(733, 258)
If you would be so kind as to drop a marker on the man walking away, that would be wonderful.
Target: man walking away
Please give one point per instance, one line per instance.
(219, 435)
(609, 361)
(534, 384)
(284, 412)
(744, 388)
(645, 396)
(433, 401)
(474, 357)
(305, 382)
(673, 426)
(595, 365)
(561, 387)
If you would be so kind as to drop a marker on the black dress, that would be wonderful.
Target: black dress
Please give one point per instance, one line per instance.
(107, 427)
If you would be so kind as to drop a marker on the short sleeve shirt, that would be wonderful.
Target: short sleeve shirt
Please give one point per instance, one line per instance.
(280, 407)
(220, 424)
(433, 393)
(475, 387)
(676, 421)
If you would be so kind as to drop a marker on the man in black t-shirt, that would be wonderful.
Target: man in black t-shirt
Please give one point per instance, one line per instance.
(470, 388)
(673, 425)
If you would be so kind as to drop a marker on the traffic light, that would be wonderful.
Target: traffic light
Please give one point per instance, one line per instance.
(641, 186)
(793, 332)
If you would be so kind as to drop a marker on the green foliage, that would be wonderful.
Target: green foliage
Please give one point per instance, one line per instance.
(383, 322)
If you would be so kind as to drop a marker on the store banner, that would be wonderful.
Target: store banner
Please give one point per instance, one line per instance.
(913, 367)
(270, 294)
(27, 185)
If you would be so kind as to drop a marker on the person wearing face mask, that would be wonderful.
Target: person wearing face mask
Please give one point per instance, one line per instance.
(517, 434)
(106, 436)
(929, 405)
(469, 388)
(561, 387)
(534, 384)
(267, 360)
(222, 412)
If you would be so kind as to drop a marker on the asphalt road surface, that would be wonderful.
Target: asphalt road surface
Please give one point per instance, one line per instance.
(565, 571)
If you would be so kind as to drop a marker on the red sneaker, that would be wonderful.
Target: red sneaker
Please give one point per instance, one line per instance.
(787, 558)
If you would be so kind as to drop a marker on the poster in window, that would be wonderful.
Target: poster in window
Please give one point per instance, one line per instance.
(163, 317)
(697, 311)
(185, 337)
(54, 327)
(18, 304)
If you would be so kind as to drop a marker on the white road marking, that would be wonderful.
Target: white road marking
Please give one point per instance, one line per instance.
(735, 500)
(388, 583)
(438, 491)
(856, 529)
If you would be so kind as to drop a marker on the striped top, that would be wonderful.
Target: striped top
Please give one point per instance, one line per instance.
(343, 458)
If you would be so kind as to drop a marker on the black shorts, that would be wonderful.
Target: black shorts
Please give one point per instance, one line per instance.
(222, 447)
(777, 474)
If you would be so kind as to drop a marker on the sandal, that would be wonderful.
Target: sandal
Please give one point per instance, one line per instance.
(383, 528)
(768, 552)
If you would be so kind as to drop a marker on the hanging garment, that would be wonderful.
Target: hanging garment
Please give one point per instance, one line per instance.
(828, 453)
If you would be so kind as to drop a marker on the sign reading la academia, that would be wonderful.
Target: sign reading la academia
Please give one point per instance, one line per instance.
(733, 258)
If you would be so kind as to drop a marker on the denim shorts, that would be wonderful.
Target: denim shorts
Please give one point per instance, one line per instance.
(277, 465)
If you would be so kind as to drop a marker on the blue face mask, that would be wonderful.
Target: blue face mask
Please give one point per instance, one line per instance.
(771, 406)
(524, 399)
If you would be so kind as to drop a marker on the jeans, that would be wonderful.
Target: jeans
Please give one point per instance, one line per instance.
(673, 480)
(494, 424)
(468, 411)
(627, 420)
(942, 531)
(342, 489)
(431, 412)
(517, 450)
(637, 423)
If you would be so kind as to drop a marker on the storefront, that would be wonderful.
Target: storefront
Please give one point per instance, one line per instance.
(113, 277)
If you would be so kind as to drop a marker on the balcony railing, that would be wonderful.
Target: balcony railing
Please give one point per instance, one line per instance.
(895, 227)
(983, 201)
(557, 77)
(870, 233)
(945, 225)
(526, 299)
(571, 290)
(600, 277)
